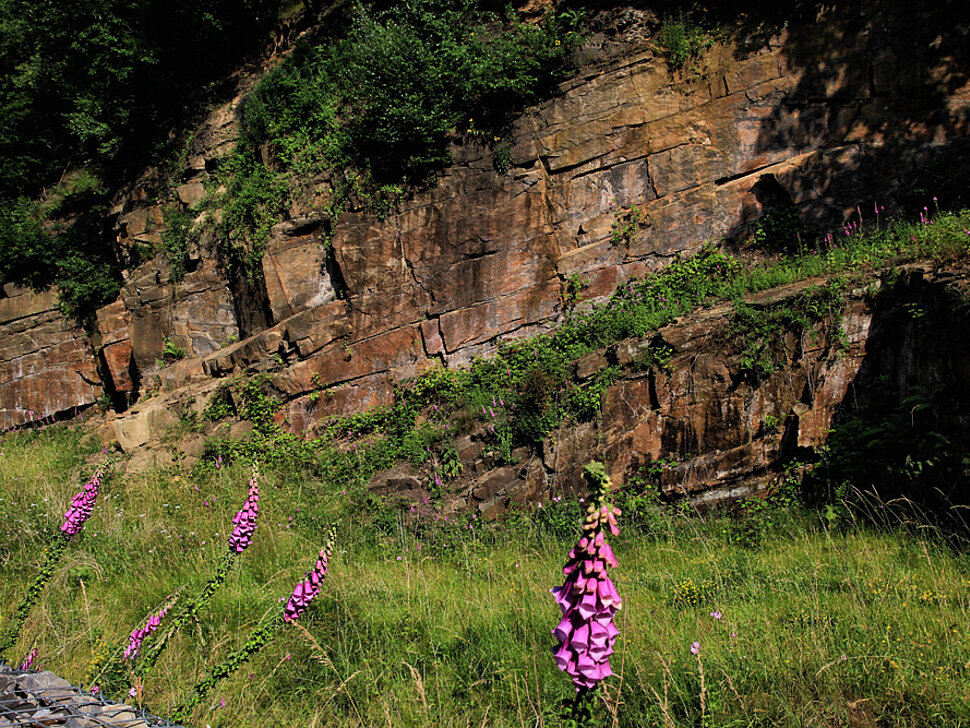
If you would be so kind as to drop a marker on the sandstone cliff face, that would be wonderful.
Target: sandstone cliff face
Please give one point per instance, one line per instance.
(830, 116)
(47, 365)
(724, 433)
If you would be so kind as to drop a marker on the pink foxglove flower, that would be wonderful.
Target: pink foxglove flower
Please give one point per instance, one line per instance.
(29, 659)
(245, 519)
(82, 504)
(588, 598)
(307, 589)
(138, 636)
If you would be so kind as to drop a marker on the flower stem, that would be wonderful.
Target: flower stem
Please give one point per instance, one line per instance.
(189, 612)
(12, 632)
(581, 711)
(260, 636)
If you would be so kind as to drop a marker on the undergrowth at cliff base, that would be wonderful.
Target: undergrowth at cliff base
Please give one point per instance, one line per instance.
(433, 622)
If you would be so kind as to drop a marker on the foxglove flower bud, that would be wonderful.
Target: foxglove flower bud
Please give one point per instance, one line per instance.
(245, 519)
(138, 636)
(29, 659)
(82, 504)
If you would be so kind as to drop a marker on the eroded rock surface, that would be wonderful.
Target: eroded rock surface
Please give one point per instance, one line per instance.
(47, 365)
(726, 433)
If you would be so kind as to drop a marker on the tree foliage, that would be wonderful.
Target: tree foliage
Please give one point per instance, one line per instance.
(92, 85)
(89, 90)
(381, 100)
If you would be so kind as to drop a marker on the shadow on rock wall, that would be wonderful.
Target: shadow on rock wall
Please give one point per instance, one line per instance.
(873, 105)
(903, 431)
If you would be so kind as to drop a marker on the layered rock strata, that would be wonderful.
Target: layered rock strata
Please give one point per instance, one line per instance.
(720, 431)
(830, 118)
(47, 364)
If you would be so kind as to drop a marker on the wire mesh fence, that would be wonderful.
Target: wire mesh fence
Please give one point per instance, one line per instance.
(43, 699)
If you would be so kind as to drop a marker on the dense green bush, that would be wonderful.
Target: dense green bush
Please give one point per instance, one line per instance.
(682, 42)
(379, 103)
(61, 240)
(87, 83)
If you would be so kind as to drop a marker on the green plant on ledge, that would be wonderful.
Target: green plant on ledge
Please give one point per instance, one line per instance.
(626, 225)
(178, 233)
(656, 357)
(682, 43)
(171, 351)
(781, 231)
(571, 289)
(761, 330)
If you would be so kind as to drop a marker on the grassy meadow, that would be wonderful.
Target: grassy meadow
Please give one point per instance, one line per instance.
(427, 622)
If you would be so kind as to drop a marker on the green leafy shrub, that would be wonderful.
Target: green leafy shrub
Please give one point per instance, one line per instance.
(626, 225)
(177, 234)
(681, 42)
(171, 351)
(60, 240)
(655, 356)
(781, 231)
(379, 104)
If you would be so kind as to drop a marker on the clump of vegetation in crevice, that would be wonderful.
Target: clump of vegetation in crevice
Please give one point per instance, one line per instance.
(760, 331)
(682, 42)
(626, 226)
(178, 234)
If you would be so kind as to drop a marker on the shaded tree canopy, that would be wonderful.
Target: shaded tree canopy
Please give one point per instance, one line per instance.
(88, 91)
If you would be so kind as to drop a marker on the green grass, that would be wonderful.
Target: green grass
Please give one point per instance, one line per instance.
(819, 627)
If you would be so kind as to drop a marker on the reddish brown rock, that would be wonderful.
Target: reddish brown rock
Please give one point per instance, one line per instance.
(296, 275)
(47, 366)
(195, 314)
(431, 334)
(485, 321)
(399, 350)
(834, 115)
(115, 350)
